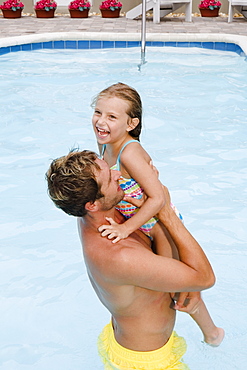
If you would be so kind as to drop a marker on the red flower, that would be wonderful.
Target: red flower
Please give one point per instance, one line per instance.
(45, 4)
(80, 4)
(12, 4)
(209, 4)
(111, 4)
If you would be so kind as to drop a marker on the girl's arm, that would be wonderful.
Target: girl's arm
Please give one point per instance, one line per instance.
(135, 163)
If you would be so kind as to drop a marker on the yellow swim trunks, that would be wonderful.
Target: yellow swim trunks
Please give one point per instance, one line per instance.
(116, 357)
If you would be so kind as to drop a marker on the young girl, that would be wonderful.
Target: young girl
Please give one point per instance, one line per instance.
(117, 123)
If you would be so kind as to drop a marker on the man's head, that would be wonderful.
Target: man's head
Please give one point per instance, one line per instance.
(80, 182)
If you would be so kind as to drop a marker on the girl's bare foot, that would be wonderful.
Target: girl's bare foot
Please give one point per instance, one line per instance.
(215, 341)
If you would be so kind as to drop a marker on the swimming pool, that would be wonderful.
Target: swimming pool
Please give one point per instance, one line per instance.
(196, 134)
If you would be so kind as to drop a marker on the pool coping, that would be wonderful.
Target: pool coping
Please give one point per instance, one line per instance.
(186, 38)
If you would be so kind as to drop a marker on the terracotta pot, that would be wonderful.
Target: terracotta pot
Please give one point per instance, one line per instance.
(9, 13)
(76, 13)
(42, 13)
(107, 13)
(209, 13)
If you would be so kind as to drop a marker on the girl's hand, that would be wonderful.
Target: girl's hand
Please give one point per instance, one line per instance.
(134, 201)
(114, 230)
(186, 301)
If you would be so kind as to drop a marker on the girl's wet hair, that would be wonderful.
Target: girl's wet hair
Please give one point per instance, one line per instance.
(131, 96)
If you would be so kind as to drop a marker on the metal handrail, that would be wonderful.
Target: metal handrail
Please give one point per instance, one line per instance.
(143, 35)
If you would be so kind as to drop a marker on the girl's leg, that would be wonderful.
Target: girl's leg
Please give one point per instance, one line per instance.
(212, 334)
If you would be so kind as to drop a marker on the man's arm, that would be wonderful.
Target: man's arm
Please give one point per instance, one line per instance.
(141, 267)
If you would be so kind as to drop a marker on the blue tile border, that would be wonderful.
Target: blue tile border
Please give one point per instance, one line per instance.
(26, 47)
(83, 44)
(108, 44)
(58, 44)
(5, 50)
(15, 48)
(37, 45)
(97, 44)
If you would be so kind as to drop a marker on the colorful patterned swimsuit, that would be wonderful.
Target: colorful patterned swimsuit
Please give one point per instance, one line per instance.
(132, 188)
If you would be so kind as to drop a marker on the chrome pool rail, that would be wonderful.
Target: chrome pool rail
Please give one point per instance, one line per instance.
(143, 35)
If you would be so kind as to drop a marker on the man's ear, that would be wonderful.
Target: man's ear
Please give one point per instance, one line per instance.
(92, 207)
(133, 123)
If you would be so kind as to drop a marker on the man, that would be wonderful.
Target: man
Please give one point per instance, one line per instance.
(131, 280)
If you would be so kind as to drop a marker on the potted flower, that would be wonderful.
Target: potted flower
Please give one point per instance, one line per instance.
(209, 8)
(110, 8)
(45, 8)
(79, 8)
(12, 8)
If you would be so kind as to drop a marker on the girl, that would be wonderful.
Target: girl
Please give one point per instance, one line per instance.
(117, 123)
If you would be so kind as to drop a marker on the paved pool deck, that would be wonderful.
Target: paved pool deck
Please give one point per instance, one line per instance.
(28, 24)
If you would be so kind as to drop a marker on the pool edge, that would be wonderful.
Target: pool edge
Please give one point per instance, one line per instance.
(239, 40)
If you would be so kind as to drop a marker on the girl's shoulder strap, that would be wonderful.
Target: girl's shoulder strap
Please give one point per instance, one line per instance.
(121, 150)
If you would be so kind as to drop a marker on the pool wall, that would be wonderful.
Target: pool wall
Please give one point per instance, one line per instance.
(93, 40)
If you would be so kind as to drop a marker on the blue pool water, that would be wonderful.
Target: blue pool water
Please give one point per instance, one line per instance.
(195, 130)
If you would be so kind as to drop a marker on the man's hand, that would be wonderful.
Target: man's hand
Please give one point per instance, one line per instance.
(114, 230)
(186, 301)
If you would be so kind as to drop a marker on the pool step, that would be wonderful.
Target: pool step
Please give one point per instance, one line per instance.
(161, 8)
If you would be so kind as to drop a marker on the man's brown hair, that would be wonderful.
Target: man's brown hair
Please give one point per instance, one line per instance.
(72, 183)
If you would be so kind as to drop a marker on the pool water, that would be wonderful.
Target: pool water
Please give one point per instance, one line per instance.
(195, 130)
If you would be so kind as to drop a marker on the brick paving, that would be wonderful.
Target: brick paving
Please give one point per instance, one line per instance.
(29, 24)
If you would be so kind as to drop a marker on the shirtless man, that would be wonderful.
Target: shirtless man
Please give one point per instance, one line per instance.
(131, 280)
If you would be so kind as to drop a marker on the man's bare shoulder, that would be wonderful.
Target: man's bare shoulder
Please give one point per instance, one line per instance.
(131, 262)
(114, 261)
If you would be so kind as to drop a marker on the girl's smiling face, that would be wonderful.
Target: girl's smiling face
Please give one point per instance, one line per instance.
(110, 120)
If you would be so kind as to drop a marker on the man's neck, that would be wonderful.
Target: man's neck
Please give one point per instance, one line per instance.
(94, 220)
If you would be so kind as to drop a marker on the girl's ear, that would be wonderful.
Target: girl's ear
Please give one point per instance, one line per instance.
(132, 123)
(92, 207)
